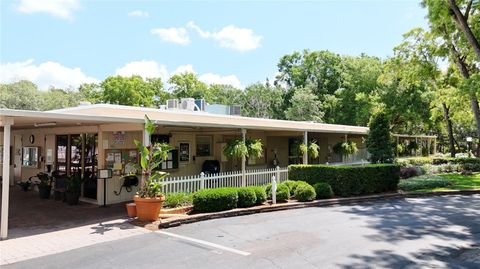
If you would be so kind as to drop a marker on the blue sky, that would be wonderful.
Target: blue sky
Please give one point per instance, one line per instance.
(66, 42)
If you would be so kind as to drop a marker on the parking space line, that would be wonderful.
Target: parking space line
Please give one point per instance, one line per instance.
(205, 243)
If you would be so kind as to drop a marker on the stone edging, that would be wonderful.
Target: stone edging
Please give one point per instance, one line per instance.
(167, 223)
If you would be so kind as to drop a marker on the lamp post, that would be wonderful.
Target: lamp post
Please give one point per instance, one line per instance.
(469, 145)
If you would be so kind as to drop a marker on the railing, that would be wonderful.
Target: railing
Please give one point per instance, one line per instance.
(194, 183)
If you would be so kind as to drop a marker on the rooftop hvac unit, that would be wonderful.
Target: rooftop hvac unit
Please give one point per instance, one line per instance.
(172, 104)
(235, 110)
(187, 104)
(200, 105)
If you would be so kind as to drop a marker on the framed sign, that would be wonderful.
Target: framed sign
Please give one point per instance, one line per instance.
(184, 152)
(105, 173)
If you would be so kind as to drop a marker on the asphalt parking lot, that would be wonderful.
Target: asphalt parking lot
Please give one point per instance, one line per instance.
(435, 232)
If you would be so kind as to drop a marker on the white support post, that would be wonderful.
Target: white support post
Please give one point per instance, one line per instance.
(244, 160)
(305, 141)
(274, 190)
(202, 180)
(7, 123)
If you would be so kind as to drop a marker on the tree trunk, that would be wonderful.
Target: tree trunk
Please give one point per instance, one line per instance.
(476, 113)
(462, 23)
(446, 115)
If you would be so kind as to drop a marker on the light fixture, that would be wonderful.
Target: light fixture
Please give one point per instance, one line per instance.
(44, 124)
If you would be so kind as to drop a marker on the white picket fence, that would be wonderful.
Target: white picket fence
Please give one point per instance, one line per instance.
(194, 183)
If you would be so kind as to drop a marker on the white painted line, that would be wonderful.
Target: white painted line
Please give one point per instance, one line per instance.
(205, 243)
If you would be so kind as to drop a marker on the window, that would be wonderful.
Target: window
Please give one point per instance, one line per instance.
(30, 157)
(204, 145)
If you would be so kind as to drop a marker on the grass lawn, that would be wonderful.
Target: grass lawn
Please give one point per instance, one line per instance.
(457, 182)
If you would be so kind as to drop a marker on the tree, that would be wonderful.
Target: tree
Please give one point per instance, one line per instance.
(20, 95)
(223, 94)
(305, 106)
(187, 85)
(261, 101)
(132, 91)
(379, 141)
(59, 98)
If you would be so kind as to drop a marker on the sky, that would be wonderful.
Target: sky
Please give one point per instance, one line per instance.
(63, 43)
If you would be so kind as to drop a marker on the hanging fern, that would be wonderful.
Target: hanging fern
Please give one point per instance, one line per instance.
(254, 148)
(302, 148)
(345, 148)
(313, 149)
(235, 148)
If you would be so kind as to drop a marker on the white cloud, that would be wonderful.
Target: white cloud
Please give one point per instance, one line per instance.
(232, 37)
(183, 69)
(210, 78)
(59, 8)
(139, 13)
(172, 35)
(45, 75)
(143, 68)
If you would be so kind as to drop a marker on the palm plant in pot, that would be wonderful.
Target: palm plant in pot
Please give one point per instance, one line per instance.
(73, 189)
(44, 185)
(149, 198)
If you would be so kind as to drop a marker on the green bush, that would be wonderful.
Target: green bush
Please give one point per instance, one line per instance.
(423, 182)
(177, 199)
(304, 192)
(212, 200)
(260, 193)
(246, 197)
(415, 161)
(323, 190)
(283, 193)
(292, 185)
(349, 180)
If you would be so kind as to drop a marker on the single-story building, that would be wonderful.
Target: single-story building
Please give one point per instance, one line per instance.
(87, 138)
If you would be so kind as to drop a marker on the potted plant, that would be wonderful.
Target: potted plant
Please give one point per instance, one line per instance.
(44, 185)
(236, 149)
(345, 149)
(25, 185)
(149, 198)
(73, 189)
(312, 149)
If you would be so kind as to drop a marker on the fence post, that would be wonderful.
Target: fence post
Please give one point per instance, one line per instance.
(278, 174)
(202, 180)
(274, 190)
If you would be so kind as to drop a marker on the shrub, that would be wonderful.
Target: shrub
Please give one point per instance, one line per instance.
(260, 194)
(246, 197)
(472, 167)
(212, 200)
(177, 199)
(350, 180)
(283, 193)
(423, 182)
(323, 190)
(410, 171)
(292, 185)
(304, 192)
(416, 161)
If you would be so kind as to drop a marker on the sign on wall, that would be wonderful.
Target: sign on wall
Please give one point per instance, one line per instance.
(184, 152)
(118, 138)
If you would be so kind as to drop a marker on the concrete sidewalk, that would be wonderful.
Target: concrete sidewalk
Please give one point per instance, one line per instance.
(24, 248)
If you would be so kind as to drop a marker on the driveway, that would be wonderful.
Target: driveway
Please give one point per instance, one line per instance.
(437, 232)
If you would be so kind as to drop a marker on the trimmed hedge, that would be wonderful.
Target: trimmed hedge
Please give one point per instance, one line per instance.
(260, 193)
(212, 200)
(304, 192)
(246, 197)
(283, 192)
(350, 180)
(414, 161)
(323, 190)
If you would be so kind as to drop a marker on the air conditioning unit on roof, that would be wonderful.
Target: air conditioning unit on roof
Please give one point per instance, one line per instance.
(235, 110)
(200, 105)
(187, 104)
(172, 104)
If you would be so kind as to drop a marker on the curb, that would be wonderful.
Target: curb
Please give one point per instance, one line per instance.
(295, 205)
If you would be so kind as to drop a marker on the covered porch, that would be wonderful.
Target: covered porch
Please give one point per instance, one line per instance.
(88, 138)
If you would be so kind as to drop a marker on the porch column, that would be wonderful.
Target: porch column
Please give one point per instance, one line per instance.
(305, 141)
(244, 160)
(7, 123)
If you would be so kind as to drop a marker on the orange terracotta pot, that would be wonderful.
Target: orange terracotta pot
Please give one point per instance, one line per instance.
(148, 209)
(131, 210)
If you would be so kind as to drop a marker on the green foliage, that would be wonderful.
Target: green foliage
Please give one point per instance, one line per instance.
(379, 140)
(260, 194)
(312, 149)
(423, 182)
(414, 161)
(151, 157)
(133, 91)
(323, 190)
(235, 148)
(74, 184)
(187, 85)
(177, 199)
(305, 106)
(283, 193)
(246, 197)
(349, 180)
(345, 148)
(304, 192)
(292, 185)
(213, 200)
(262, 101)
(254, 148)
